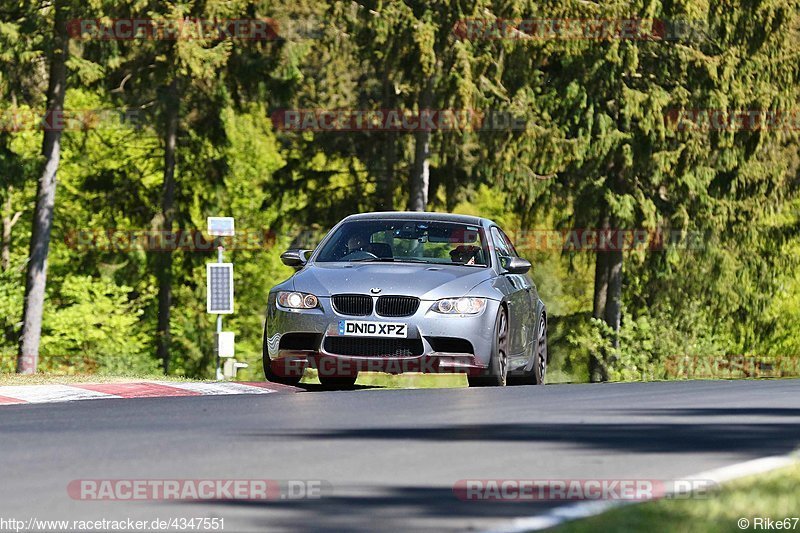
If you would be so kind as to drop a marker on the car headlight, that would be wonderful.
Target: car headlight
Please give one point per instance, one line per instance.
(459, 306)
(297, 300)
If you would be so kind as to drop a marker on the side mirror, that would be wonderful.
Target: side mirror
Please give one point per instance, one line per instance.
(294, 258)
(516, 265)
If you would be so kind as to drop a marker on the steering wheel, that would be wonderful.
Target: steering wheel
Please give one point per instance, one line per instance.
(359, 254)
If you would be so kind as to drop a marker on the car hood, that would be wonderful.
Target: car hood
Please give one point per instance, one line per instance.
(426, 281)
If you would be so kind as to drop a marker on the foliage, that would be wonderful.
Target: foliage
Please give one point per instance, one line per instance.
(94, 327)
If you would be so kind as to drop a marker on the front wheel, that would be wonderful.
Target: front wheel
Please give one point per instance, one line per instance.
(497, 373)
(283, 378)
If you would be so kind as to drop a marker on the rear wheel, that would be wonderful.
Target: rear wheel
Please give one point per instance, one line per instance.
(535, 376)
(497, 373)
(540, 360)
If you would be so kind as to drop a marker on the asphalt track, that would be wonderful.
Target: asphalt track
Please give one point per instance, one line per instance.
(390, 457)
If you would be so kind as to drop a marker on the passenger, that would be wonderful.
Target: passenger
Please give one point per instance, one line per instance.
(466, 255)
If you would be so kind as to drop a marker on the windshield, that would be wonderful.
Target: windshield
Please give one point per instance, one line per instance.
(411, 241)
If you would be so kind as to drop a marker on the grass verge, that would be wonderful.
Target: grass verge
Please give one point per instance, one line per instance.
(775, 495)
(400, 381)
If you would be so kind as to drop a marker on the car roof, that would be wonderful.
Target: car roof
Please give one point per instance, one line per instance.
(420, 215)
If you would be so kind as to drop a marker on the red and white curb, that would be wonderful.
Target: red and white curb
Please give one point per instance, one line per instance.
(22, 394)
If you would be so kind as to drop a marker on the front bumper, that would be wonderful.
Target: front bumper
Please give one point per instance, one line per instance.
(424, 326)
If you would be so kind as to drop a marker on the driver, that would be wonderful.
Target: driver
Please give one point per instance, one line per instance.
(356, 243)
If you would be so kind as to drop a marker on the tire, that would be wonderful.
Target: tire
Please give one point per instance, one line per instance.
(283, 378)
(537, 373)
(277, 378)
(497, 373)
(338, 382)
(540, 359)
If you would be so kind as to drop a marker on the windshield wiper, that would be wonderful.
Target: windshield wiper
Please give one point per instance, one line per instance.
(409, 260)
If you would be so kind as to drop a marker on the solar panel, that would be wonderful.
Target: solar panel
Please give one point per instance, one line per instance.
(219, 286)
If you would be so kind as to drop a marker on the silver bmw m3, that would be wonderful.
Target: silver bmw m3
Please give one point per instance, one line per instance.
(407, 292)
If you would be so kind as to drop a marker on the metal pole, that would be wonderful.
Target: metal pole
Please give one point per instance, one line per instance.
(219, 330)
(219, 320)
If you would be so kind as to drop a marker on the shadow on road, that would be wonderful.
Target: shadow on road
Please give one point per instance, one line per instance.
(757, 438)
(391, 509)
(720, 411)
(317, 387)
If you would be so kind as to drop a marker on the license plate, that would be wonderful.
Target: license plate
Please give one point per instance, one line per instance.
(361, 328)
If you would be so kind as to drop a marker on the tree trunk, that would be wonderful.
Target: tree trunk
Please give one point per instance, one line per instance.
(385, 185)
(36, 278)
(607, 304)
(9, 221)
(600, 285)
(164, 259)
(597, 364)
(386, 178)
(420, 172)
(613, 311)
